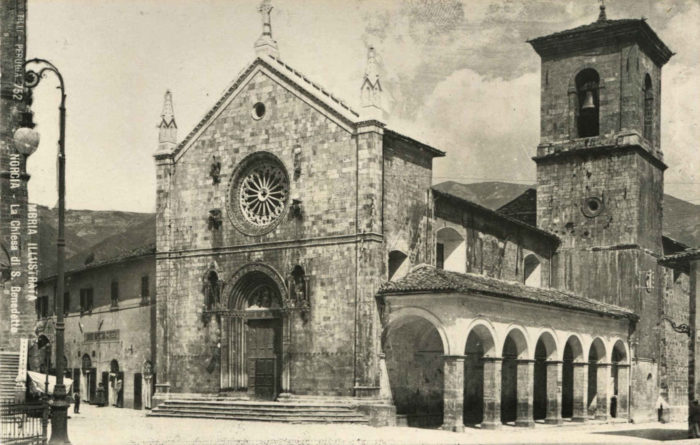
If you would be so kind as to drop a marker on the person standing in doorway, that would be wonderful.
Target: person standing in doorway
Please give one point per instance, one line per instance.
(76, 404)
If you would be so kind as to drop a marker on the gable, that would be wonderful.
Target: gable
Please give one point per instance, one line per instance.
(289, 79)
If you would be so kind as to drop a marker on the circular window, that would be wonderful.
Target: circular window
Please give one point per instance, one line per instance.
(259, 194)
(258, 110)
(592, 207)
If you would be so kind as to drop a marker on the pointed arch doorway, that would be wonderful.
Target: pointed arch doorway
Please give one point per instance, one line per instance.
(255, 334)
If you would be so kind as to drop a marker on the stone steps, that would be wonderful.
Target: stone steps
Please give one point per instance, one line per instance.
(323, 411)
(251, 418)
(302, 410)
(9, 363)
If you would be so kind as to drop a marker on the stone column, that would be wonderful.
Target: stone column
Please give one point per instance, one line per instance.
(623, 387)
(286, 351)
(492, 393)
(602, 411)
(580, 413)
(526, 372)
(554, 376)
(384, 382)
(453, 393)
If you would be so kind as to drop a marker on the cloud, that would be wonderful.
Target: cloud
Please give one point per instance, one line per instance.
(488, 126)
(680, 111)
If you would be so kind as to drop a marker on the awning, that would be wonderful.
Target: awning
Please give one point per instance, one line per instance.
(37, 381)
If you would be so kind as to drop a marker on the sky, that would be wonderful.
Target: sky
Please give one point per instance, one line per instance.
(458, 75)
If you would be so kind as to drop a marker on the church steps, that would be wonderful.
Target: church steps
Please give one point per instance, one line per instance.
(259, 404)
(271, 411)
(264, 418)
(249, 410)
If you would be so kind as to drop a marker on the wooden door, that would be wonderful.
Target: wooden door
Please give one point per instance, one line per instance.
(263, 347)
(105, 385)
(76, 381)
(137, 391)
(92, 383)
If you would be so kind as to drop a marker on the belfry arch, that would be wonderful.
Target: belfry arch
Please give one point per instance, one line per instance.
(255, 333)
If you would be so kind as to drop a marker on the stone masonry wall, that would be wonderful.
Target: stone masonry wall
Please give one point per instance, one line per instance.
(131, 318)
(622, 69)
(323, 241)
(494, 249)
(628, 187)
(407, 176)
(673, 365)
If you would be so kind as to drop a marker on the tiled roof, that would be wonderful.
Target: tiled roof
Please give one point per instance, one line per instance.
(474, 206)
(682, 259)
(688, 254)
(427, 279)
(523, 207)
(595, 26)
(136, 241)
(604, 31)
(75, 267)
(430, 149)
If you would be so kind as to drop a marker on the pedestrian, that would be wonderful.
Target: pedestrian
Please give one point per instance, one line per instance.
(694, 420)
(101, 394)
(76, 404)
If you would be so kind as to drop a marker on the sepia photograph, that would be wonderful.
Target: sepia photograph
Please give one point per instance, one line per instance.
(349, 222)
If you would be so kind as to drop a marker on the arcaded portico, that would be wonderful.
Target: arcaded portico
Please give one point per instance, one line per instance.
(467, 349)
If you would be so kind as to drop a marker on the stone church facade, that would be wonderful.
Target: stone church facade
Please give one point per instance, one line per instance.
(301, 251)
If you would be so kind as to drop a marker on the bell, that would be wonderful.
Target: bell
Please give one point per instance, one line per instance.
(588, 103)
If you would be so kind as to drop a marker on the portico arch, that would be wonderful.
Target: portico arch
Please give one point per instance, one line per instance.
(408, 314)
(256, 332)
(574, 380)
(516, 375)
(547, 378)
(415, 344)
(598, 379)
(619, 370)
(478, 389)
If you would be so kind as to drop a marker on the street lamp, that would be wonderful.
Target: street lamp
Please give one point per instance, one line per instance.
(26, 142)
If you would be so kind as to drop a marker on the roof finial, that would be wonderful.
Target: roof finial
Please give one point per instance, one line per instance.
(371, 72)
(266, 45)
(602, 17)
(168, 115)
(371, 90)
(167, 128)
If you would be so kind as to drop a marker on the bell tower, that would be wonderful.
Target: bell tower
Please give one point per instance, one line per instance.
(600, 166)
(599, 161)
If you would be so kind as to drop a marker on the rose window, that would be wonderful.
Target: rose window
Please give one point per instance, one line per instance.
(263, 194)
(258, 194)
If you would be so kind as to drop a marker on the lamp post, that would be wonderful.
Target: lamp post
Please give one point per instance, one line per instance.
(26, 141)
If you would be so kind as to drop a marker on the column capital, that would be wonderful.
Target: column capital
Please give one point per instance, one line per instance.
(492, 359)
(599, 364)
(622, 365)
(454, 357)
(525, 360)
(581, 364)
(554, 362)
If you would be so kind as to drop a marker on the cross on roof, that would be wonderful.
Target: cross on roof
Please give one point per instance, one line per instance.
(602, 17)
(265, 9)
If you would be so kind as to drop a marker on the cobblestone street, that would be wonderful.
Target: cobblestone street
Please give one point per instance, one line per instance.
(123, 426)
